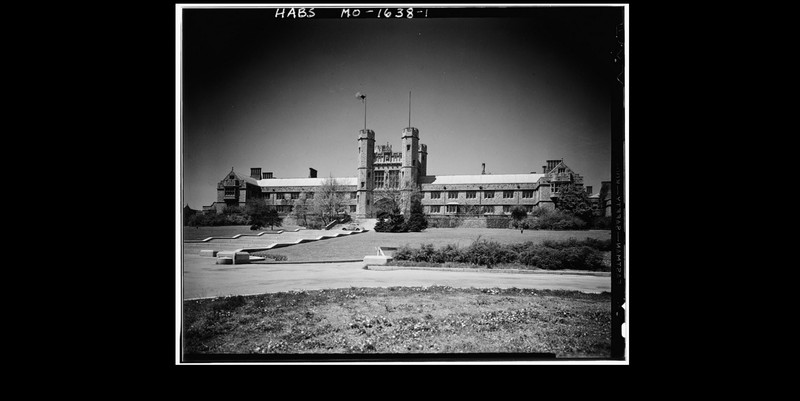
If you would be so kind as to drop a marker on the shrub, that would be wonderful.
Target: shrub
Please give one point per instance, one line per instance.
(602, 223)
(450, 253)
(274, 256)
(314, 223)
(539, 212)
(403, 252)
(426, 252)
(214, 219)
(600, 245)
(255, 227)
(551, 255)
(547, 219)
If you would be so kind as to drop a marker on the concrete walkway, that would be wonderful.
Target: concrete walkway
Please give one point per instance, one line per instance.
(263, 241)
(203, 278)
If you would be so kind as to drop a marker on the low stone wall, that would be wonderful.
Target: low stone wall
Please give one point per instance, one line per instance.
(469, 221)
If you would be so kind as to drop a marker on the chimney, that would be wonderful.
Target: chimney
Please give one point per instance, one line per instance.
(589, 189)
(544, 169)
(312, 173)
(267, 174)
(483, 168)
(255, 172)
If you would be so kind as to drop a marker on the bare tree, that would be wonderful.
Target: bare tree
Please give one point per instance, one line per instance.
(391, 195)
(328, 200)
(300, 211)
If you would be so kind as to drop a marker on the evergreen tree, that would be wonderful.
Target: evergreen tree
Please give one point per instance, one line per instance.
(273, 219)
(396, 221)
(416, 221)
(380, 226)
(519, 214)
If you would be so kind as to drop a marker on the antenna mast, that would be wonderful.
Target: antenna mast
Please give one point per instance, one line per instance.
(409, 108)
(363, 97)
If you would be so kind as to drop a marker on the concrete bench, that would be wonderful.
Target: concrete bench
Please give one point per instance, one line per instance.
(377, 260)
(235, 257)
(386, 251)
(208, 252)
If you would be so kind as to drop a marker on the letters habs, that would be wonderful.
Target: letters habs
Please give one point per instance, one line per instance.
(300, 13)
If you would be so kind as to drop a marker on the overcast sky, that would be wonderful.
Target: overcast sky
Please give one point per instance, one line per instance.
(279, 94)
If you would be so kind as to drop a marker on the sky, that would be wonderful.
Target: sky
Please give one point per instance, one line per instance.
(279, 93)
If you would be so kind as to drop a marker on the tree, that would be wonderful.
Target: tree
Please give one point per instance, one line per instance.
(396, 221)
(257, 209)
(380, 226)
(394, 224)
(519, 214)
(384, 206)
(416, 221)
(393, 195)
(574, 200)
(328, 200)
(187, 214)
(300, 211)
(272, 219)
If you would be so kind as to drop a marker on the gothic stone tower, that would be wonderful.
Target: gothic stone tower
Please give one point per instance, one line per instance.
(366, 160)
(409, 170)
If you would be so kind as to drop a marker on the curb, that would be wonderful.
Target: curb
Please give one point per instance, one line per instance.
(292, 262)
(484, 270)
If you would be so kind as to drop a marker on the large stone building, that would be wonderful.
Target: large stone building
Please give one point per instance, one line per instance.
(383, 174)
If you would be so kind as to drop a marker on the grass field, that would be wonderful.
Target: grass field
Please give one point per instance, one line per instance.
(194, 233)
(360, 245)
(396, 320)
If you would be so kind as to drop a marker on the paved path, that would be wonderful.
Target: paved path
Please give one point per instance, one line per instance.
(203, 278)
(265, 240)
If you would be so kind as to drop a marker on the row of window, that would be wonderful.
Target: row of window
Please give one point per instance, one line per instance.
(484, 209)
(433, 194)
(472, 194)
(434, 209)
(296, 195)
(288, 208)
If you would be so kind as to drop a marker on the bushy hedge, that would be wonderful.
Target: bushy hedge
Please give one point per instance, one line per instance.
(546, 219)
(498, 222)
(444, 222)
(602, 223)
(222, 219)
(551, 255)
(274, 256)
(491, 221)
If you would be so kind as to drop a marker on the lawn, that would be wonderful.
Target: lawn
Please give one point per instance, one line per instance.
(401, 320)
(195, 233)
(360, 245)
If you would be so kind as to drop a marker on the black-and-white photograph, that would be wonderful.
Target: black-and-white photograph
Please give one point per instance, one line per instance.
(395, 185)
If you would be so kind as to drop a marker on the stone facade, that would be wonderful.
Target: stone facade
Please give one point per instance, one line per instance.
(382, 173)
